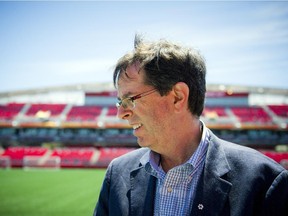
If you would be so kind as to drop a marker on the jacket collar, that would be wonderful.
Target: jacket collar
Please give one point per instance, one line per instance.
(142, 191)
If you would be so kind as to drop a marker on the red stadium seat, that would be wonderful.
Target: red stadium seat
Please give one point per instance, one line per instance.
(251, 114)
(17, 154)
(112, 111)
(9, 111)
(84, 113)
(108, 154)
(74, 157)
(280, 110)
(53, 109)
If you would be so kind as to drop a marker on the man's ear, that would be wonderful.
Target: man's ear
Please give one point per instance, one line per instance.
(181, 93)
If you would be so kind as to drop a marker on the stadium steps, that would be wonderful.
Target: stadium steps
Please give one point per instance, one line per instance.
(270, 112)
(25, 108)
(103, 117)
(278, 120)
(65, 111)
(232, 116)
(104, 112)
(45, 157)
(95, 157)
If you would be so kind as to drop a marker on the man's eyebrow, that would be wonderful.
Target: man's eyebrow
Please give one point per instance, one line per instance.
(127, 95)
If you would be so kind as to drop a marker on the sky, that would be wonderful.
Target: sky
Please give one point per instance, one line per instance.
(55, 43)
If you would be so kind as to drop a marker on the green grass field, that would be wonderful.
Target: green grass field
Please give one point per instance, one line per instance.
(72, 192)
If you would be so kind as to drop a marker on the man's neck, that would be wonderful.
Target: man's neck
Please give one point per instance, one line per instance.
(181, 153)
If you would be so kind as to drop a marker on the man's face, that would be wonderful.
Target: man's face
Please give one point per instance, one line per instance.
(150, 118)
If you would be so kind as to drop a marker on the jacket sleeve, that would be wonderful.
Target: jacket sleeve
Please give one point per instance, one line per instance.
(276, 199)
(102, 206)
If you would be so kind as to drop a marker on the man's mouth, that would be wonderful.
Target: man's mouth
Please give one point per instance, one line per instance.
(137, 126)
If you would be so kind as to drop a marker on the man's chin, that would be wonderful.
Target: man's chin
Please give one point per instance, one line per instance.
(141, 142)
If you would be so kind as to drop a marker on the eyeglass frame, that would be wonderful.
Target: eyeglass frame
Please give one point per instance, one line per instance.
(133, 98)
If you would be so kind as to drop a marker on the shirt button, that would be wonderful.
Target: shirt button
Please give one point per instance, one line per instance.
(169, 189)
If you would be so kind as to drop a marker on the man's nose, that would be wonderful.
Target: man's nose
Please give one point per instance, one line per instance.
(123, 113)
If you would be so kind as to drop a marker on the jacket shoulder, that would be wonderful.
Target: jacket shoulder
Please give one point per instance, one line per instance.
(130, 160)
(247, 159)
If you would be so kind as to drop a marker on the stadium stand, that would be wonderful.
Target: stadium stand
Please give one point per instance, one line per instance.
(17, 154)
(279, 157)
(215, 112)
(280, 110)
(69, 157)
(9, 111)
(90, 135)
(106, 155)
(74, 157)
(112, 111)
(87, 157)
(84, 113)
(52, 109)
(251, 114)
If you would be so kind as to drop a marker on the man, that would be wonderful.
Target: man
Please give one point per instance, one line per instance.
(182, 167)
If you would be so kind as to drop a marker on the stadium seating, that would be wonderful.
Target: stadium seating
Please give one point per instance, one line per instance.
(251, 114)
(92, 135)
(10, 110)
(74, 157)
(84, 113)
(90, 157)
(279, 157)
(17, 154)
(108, 154)
(70, 157)
(112, 111)
(215, 114)
(53, 109)
(280, 110)
(90, 113)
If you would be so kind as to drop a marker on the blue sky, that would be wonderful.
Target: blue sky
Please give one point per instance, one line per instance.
(45, 44)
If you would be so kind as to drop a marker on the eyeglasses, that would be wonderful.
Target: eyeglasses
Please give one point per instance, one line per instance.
(129, 102)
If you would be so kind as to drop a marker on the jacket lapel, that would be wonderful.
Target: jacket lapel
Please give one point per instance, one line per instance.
(142, 192)
(213, 189)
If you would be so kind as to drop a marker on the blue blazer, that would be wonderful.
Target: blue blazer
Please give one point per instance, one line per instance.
(236, 181)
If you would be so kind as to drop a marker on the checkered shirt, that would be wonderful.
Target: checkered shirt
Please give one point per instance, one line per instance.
(175, 189)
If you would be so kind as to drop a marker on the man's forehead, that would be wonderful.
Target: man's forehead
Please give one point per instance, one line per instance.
(132, 73)
(130, 84)
(135, 67)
